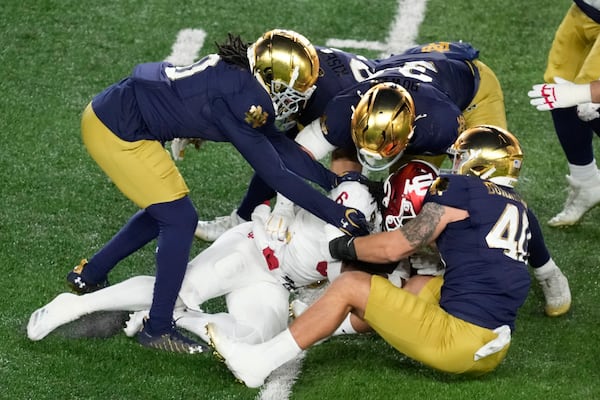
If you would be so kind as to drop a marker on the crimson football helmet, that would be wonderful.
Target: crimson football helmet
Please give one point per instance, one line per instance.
(488, 152)
(287, 66)
(404, 192)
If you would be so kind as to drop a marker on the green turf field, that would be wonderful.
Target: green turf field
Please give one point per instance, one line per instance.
(56, 206)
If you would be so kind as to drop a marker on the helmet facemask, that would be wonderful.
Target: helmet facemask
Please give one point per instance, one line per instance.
(404, 192)
(287, 66)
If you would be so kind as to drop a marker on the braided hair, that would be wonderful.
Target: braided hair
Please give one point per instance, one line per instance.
(234, 51)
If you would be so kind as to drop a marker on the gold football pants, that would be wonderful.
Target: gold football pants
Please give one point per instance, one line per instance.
(142, 170)
(419, 328)
(575, 51)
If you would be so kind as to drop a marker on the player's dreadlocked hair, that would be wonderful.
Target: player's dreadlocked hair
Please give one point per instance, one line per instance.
(376, 190)
(234, 51)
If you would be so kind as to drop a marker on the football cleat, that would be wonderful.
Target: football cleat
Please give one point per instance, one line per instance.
(80, 286)
(582, 197)
(555, 287)
(61, 310)
(135, 323)
(172, 341)
(238, 357)
(211, 230)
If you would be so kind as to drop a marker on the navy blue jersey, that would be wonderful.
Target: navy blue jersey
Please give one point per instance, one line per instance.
(338, 70)
(486, 278)
(458, 78)
(438, 118)
(217, 101)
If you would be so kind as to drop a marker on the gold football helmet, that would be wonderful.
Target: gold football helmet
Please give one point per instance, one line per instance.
(488, 152)
(287, 65)
(382, 125)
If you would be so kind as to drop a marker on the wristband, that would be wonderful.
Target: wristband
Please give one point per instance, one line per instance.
(342, 248)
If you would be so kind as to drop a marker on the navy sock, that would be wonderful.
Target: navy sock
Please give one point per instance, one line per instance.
(574, 135)
(138, 231)
(177, 221)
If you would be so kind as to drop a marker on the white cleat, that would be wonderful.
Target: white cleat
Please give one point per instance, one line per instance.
(63, 309)
(556, 291)
(193, 321)
(135, 323)
(241, 358)
(211, 230)
(582, 197)
(297, 307)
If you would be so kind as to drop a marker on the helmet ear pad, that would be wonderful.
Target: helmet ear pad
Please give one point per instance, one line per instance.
(488, 152)
(382, 125)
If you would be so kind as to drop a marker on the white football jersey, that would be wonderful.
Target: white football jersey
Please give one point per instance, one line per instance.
(306, 259)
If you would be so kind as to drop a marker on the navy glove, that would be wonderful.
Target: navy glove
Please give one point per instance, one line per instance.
(351, 176)
(353, 223)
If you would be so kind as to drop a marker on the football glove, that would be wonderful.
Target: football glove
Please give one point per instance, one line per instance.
(353, 223)
(562, 94)
(178, 146)
(280, 219)
(588, 111)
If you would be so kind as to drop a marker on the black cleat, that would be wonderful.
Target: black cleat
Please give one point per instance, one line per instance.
(78, 285)
(172, 341)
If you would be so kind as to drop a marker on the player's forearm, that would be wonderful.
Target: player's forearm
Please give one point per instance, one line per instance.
(384, 247)
(380, 248)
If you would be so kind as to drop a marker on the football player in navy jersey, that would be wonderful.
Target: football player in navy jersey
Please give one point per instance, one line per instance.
(235, 96)
(481, 228)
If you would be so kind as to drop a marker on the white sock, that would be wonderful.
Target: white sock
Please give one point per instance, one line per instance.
(345, 327)
(545, 270)
(583, 173)
(281, 349)
(132, 294)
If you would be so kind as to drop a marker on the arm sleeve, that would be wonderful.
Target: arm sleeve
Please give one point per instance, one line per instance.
(312, 139)
(301, 163)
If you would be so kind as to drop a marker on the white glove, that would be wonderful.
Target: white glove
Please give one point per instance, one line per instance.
(426, 263)
(400, 274)
(280, 219)
(270, 250)
(178, 146)
(562, 94)
(588, 111)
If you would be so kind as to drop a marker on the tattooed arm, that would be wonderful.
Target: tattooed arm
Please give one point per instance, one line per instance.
(392, 246)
